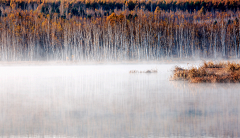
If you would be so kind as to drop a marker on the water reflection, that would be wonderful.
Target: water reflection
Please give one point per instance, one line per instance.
(107, 101)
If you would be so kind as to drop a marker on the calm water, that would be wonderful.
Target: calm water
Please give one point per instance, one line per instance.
(107, 101)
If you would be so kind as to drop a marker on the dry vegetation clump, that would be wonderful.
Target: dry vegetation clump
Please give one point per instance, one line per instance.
(223, 72)
(147, 71)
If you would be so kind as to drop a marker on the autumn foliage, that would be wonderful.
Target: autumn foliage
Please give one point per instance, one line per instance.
(74, 30)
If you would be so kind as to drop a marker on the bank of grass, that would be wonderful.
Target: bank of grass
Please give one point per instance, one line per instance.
(222, 72)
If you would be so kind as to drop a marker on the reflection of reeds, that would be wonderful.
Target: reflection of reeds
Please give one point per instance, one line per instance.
(209, 72)
(147, 71)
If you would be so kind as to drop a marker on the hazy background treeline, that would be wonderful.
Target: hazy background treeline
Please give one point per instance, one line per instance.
(118, 30)
(79, 7)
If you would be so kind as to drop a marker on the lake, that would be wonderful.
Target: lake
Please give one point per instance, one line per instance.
(105, 100)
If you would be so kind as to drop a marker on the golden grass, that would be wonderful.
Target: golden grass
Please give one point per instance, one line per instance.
(147, 71)
(210, 72)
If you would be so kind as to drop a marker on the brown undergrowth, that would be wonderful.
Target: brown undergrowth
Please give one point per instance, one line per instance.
(210, 72)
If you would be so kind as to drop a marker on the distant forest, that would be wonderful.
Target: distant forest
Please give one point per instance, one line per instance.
(117, 30)
(79, 7)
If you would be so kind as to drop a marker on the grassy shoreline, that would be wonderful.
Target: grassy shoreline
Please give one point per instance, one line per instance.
(210, 72)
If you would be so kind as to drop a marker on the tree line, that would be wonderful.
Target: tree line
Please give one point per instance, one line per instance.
(79, 7)
(123, 35)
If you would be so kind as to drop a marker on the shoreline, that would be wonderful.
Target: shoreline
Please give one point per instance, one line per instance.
(70, 63)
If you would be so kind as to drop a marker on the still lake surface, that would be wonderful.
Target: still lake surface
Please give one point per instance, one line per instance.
(108, 101)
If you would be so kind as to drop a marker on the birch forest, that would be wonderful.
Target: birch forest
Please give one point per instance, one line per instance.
(118, 30)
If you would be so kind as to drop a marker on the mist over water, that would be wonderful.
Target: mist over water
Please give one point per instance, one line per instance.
(108, 101)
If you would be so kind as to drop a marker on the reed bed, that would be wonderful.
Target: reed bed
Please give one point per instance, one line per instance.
(222, 72)
(147, 71)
